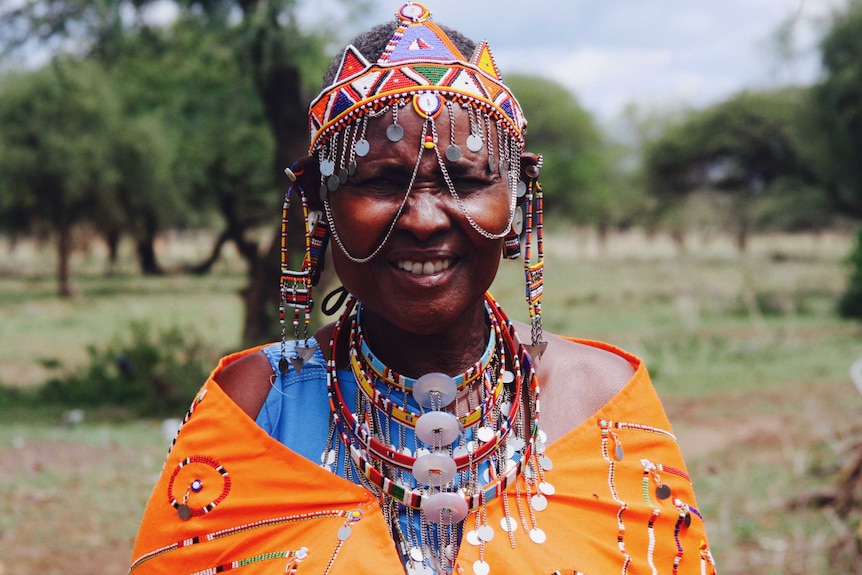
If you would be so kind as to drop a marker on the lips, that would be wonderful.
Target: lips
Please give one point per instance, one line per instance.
(424, 268)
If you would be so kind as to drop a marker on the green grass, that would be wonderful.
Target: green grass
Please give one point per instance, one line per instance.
(745, 350)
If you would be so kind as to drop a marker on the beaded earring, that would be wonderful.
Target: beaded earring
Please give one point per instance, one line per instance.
(296, 286)
(534, 272)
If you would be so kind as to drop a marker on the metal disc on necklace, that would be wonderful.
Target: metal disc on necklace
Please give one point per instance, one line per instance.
(546, 463)
(453, 153)
(521, 189)
(460, 451)
(485, 434)
(537, 535)
(184, 512)
(344, 532)
(547, 488)
(516, 442)
(419, 569)
(486, 533)
(619, 452)
(662, 491)
(327, 167)
(508, 376)
(539, 502)
(474, 143)
(504, 168)
(481, 568)
(518, 220)
(438, 428)
(362, 147)
(327, 457)
(434, 469)
(473, 537)
(343, 175)
(416, 554)
(492, 164)
(324, 191)
(508, 524)
(540, 448)
(542, 436)
(445, 508)
(435, 390)
(687, 520)
(394, 133)
(332, 183)
(351, 168)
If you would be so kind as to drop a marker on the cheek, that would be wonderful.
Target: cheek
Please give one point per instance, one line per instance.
(490, 211)
(360, 222)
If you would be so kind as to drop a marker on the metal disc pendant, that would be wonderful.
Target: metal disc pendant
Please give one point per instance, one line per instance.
(504, 169)
(518, 220)
(343, 175)
(362, 147)
(485, 434)
(416, 554)
(481, 568)
(546, 463)
(434, 390)
(327, 457)
(662, 492)
(445, 508)
(453, 153)
(394, 133)
(687, 520)
(351, 168)
(324, 191)
(486, 533)
(474, 143)
(473, 538)
(434, 469)
(283, 366)
(327, 168)
(508, 376)
(539, 502)
(332, 183)
(619, 452)
(492, 164)
(547, 488)
(508, 524)
(537, 536)
(184, 512)
(344, 532)
(438, 428)
(521, 189)
(516, 442)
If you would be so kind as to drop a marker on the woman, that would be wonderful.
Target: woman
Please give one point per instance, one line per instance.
(417, 433)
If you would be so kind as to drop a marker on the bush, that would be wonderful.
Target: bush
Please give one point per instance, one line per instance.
(149, 374)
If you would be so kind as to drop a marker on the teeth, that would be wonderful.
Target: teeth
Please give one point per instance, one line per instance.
(424, 268)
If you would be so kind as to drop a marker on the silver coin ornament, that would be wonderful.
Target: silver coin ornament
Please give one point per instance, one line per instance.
(343, 175)
(453, 153)
(332, 183)
(546, 463)
(504, 168)
(537, 536)
(351, 168)
(344, 532)
(362, 147)
(394, 133)
(327, 167)
(473, 537)
(508, 524)
(324, 192)
(435, 390)
(416, 554)
(474, 143)
(521, 189)
(532, 171)
(518, 220)
(486, 533)
(481, 568)
(485, 434)
(492, 164)
(619, 452)
(184, 512)
(547, 488)
(539, 502)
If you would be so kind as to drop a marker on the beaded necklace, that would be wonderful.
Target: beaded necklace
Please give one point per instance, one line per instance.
(498, 441)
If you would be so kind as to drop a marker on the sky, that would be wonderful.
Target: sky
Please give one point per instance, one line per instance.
(658, 54)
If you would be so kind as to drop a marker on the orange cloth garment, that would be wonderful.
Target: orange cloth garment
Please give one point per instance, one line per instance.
(232, 497)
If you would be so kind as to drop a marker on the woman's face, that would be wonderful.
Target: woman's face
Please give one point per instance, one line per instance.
(434, 266)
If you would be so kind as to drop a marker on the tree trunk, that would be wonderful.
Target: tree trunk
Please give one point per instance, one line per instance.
(64, 252)
(145, 247)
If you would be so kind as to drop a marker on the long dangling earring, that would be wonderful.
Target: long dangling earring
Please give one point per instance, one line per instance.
(296, 286)
(534, 273)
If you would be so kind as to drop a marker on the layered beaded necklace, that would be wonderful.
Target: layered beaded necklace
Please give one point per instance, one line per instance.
(437, 448)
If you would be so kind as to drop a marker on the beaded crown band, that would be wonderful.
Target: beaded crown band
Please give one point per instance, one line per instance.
(420, 59)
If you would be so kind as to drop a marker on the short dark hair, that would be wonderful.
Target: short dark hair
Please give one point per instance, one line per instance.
(372, 43)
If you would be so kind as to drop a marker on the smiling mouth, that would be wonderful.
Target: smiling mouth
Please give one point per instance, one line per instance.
(424, 268)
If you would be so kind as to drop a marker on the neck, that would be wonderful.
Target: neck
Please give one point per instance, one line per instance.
(450, 351)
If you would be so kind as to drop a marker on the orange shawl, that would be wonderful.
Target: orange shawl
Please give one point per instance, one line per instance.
(261, 508)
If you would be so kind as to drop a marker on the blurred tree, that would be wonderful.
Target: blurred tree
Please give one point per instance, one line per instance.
(61, 138)
(273, 50)
(578, 177)
(838, 104)
(751, 148)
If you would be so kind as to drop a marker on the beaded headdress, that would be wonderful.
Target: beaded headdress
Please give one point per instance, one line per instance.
(419, 62)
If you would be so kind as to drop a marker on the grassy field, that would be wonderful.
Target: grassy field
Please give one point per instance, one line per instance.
(745, 350)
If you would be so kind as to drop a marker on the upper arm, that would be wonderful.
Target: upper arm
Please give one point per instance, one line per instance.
(247, 382)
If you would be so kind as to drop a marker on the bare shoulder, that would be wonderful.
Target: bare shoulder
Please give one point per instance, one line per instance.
(577, 380)
(247, 382)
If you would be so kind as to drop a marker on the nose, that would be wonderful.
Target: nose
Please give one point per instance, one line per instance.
(427, 212)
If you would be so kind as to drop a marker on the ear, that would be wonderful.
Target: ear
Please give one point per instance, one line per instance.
(306, 172)
(531, 165)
